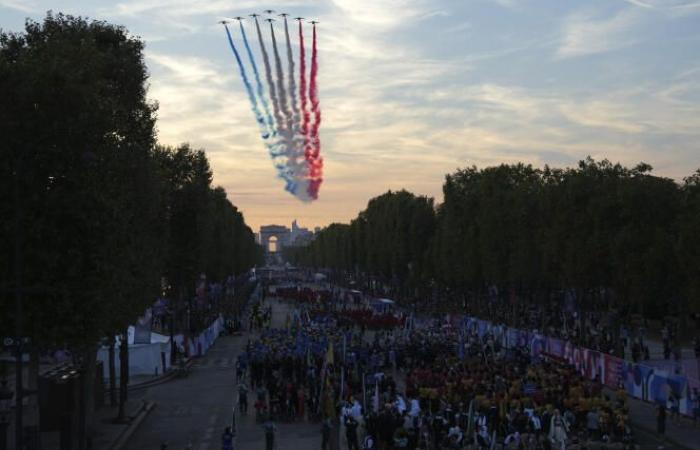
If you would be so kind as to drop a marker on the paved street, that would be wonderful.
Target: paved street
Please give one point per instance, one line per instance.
(197, 408)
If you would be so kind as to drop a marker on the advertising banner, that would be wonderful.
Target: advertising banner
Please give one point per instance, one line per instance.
(555, 347)
(612, 371)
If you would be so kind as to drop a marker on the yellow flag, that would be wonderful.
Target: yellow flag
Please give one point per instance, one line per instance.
(329, 353)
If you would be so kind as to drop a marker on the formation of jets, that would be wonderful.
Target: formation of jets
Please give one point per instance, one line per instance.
(268, 19)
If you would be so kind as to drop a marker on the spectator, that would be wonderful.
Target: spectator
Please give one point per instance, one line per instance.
(660, 420)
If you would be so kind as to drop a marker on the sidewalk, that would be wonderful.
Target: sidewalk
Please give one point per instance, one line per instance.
(683, 436)
(107, 433)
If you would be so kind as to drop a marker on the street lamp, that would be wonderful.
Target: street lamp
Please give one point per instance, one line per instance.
(5, 400)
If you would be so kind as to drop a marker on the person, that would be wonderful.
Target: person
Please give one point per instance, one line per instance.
(400, 439)
(455, 433)
(270, 430)
(674, 407)
(351, 432)
(660, 419)
(240, 369)
(325, 433)
(227, 439)
(243, 397)
(592, 421)
(512, 440)
(368, 443)
(695, 402)
(558, 430)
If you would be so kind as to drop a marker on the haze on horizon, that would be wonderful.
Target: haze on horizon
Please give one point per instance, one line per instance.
(413, 89)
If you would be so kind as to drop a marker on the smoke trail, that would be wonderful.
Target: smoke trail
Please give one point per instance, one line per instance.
(266, 130)
(268, 76)
(292, 82)
(258, 82)
(313, 157)
(249, 89)
(295, 163)
(280, 80)
(302, 88)
(281, 148)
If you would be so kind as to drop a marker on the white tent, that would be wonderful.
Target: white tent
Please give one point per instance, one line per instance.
(144, 359)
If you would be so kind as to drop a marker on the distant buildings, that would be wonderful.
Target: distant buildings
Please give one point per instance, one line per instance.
(275, 237)
(299, 237)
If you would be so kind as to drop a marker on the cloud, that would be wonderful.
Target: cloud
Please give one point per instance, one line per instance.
(674, 9)
(25, 6)
(406, 97)
(386, 14)
(585, 35)
(184, 8)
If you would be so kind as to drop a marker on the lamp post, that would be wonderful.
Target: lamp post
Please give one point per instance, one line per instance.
(5, 399)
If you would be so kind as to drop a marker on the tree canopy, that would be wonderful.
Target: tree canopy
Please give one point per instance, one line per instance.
(102, 212)
(599, 229)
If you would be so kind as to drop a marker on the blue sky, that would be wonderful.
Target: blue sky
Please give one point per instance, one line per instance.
(412, 89)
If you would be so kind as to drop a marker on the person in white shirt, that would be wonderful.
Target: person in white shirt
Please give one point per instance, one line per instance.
(558, 430)
(456, 433)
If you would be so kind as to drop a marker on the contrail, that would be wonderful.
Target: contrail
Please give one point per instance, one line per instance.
(295, 162)
(314, 158)
(292, 82)
(249, 89)
(302, 88)
(280, 80)
(281, 149)
(266, 130)
(258, 82)
(268, 76)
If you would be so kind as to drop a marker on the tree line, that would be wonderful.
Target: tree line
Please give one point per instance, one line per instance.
(617, 235)
(94, 214)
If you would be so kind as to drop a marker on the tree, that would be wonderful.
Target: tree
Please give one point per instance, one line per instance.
(76, 125)
(613, 237)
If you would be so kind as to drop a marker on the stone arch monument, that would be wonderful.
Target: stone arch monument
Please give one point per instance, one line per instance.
(281, 234)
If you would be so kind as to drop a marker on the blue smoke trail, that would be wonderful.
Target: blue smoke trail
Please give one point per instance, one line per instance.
(251, 95)
(259, 85)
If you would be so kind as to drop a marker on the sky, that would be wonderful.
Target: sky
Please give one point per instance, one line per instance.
(411, 90)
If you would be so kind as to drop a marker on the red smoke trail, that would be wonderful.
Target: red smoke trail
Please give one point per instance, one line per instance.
(313, 151)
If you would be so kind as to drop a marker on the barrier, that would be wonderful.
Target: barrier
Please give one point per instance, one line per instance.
(652, 382)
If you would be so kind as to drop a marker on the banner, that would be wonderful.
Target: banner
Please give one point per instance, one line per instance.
(538, 345)
(591, 364)
(612, 371)
(635, 377)
(512, 338)
(555, 347)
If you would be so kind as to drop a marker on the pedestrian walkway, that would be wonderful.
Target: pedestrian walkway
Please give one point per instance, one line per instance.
(683, 436)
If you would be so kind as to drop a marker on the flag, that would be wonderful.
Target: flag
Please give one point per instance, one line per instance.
(329, 354)
(344, 346)
(375, 400)
(364, 392)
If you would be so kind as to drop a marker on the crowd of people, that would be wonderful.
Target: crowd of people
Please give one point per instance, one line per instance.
(424, 387)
